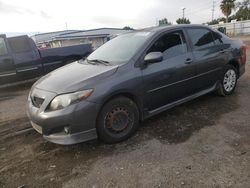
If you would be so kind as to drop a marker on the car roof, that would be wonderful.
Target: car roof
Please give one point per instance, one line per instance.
(170, 27)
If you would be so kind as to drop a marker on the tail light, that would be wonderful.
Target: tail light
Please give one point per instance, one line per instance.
(243, 53)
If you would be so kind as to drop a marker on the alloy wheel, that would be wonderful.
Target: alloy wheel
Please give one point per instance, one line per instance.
(229, 80)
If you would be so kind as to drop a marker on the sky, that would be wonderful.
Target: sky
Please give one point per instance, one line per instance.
(53, 15)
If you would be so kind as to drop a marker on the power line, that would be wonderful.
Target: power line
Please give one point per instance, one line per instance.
(202, 8)
(188, 12)
(205, 6)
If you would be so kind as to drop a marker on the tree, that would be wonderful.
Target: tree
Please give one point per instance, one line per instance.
(243, 12)
(164, 21)
(216, 21)
(213, 22)
(226, 7)
(183, 21)
(128, 28)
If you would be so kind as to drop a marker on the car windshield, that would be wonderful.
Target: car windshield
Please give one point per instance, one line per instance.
(120, 49)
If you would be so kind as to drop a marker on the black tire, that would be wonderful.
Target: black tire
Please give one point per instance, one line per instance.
(118, 120)
(223, 90)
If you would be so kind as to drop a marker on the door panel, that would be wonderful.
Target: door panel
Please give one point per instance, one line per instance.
(168, 81)
(208, 55)
(171, 79)
(26, 60)
(209, 63)
(7, 67)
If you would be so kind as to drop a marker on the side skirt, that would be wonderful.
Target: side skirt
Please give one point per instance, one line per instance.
(181, 101)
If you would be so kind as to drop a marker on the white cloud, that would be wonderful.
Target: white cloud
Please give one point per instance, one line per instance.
(51, 15)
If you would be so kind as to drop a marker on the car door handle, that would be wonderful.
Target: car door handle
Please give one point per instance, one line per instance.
(188, 61)
(222, 51)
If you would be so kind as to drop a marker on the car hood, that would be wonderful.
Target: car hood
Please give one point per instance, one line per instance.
(74, 77)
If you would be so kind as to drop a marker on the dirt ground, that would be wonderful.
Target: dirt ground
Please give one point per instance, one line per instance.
(203, 143)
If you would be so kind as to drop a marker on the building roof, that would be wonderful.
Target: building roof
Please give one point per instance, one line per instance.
(101, 32)
(44, 37)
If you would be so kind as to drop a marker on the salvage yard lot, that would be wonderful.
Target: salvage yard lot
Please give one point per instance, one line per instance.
(203, 143)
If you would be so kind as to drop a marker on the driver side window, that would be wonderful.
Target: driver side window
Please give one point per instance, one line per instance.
(171, 45)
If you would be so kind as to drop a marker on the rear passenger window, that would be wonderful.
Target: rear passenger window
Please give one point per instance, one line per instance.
(19, 44)
(217, 38)
(200, 37)
(3, 49)
(171, 45)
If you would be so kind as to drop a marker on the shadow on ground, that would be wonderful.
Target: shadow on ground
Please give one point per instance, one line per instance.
(13, 90)
(59, 162)
(178, 124)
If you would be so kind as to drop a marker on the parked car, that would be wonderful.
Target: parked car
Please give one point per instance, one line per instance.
(131, 78)
(20, 59)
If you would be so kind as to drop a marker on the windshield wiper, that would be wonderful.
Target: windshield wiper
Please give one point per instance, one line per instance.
(90, 62)
(94, 61)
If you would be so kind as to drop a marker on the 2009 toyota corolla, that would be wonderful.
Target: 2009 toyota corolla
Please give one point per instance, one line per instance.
(133, 77)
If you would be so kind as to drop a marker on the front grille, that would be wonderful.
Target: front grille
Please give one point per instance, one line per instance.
(37, 102)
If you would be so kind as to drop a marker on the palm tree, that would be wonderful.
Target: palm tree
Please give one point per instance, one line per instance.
(226, 7)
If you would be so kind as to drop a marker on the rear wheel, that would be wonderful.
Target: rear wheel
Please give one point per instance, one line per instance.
(228, 81)
(118, 120)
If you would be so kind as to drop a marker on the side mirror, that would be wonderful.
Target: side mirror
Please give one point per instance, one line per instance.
(153, 57)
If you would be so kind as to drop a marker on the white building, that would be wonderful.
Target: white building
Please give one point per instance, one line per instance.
(96, 37)
(43, 39)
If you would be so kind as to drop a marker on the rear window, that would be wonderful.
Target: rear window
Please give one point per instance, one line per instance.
(200, 37)
(19, 44)
(217, 38)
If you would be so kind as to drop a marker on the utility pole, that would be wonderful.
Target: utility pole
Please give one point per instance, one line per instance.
(183, 14)
(213, 9)
(66, 25)
(248, 16)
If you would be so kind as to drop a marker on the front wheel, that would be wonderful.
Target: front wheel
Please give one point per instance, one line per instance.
(228, 81)
(118, 120)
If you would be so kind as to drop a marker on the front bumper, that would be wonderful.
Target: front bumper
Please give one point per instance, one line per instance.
(79, 119)
(67, 139)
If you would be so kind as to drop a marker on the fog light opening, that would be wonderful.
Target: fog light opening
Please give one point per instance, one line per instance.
(66, 130)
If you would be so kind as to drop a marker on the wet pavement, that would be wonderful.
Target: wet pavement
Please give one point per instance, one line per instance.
(203, 143)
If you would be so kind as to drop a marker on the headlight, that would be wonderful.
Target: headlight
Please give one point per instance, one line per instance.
(62, 101)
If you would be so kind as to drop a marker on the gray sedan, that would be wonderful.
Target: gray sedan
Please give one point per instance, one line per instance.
(133, 77)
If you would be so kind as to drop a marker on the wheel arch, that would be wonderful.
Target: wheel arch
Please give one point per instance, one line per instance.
(235, 63)
(126, 94)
